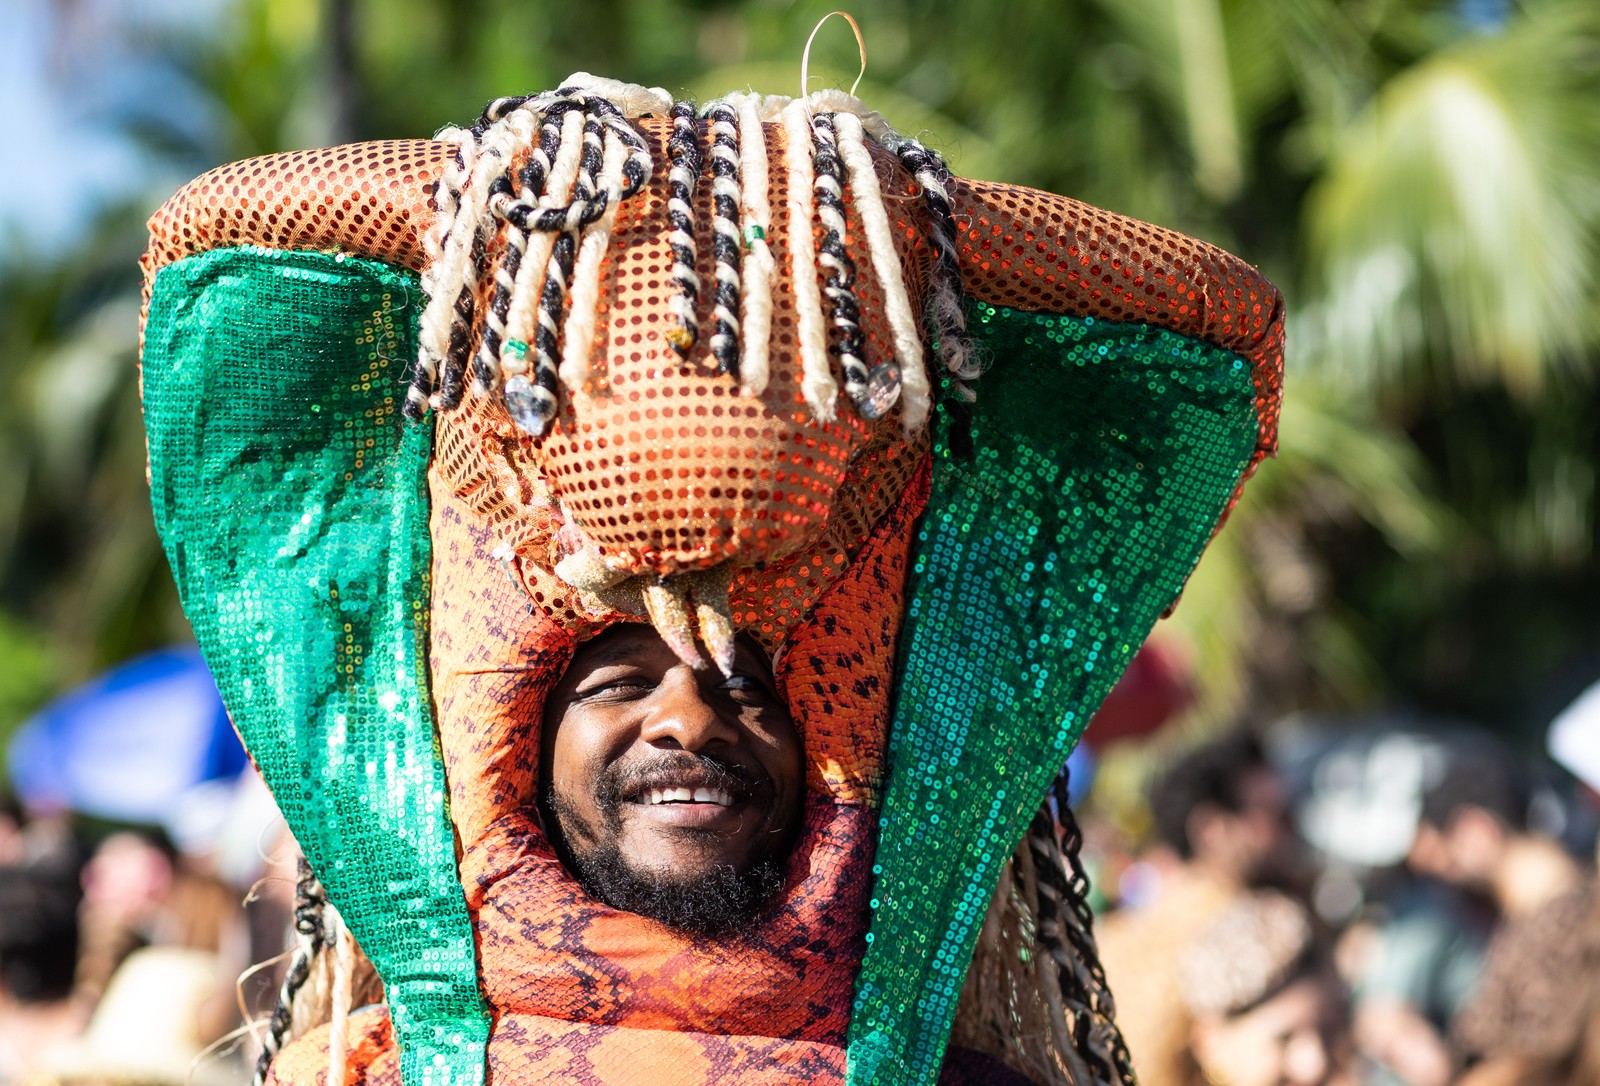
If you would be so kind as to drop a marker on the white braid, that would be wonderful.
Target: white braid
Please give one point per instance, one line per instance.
(868, 199)
(833, 100)
(483, 163)
(584, 300)
(632, 99)
(817, 382)
(535, 262)
(520, 128)
(434, 329)
(759, 268)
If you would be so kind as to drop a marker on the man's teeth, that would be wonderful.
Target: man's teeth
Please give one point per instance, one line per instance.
(689, 795)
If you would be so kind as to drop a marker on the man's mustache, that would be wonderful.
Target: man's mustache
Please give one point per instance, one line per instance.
(620, 783)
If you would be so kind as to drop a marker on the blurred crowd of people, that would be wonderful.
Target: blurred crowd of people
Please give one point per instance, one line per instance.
(1237, 957)
(125, 959)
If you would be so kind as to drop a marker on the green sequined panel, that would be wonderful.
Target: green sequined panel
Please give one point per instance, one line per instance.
(292, 501)
(1104, 455)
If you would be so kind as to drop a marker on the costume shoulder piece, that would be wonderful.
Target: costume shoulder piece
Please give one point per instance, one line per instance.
(425, 414)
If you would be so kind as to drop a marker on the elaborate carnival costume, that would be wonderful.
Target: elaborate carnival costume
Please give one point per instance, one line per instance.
(945, 448)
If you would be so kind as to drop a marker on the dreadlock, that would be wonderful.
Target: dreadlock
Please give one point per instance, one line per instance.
(327, 976)
(1036, 995)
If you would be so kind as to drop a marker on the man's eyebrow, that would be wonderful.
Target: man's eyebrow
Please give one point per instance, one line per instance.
(616, 651)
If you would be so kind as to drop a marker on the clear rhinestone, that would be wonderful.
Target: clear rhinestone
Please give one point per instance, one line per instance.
(883, 391)
(528, 404)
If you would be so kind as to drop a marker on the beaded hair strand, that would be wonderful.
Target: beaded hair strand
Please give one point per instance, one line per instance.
(946, 310)
(563, 135)
(906, 374)
(553, 209)
(529, 188)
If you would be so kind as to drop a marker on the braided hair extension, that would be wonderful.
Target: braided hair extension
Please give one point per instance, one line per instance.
(469, 240)
(584, 296)
(834, 257)
(540, 405)
(1066, 930)
(725, 235)
(817, 382)
(906, 374)
(755, 313)
(564, 134)
(1036, 995)
(683, 150)
(553, 200)
(529, 188)
(310, 900)
(946, 312)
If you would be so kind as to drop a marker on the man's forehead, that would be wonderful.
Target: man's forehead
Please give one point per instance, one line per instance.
(625, 643)
(638, 643)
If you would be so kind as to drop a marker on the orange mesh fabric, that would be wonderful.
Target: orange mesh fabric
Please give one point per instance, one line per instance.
(1044, 253)
(370, 199)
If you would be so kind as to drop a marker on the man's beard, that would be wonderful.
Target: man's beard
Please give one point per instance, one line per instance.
(721, 902)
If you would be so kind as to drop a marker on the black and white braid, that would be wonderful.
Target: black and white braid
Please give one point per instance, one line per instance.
(839, 268)
(636, 169)
(946, 309)
(447, 200)
(683, 150)
(726, 244)
(531, 180)
(1066, 932)
(310, 902)
(572, 219)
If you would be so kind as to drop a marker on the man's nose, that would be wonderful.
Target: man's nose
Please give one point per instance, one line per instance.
(681, 714)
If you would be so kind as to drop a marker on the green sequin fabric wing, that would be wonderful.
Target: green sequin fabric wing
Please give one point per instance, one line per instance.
(1103, 456)
(292, 502)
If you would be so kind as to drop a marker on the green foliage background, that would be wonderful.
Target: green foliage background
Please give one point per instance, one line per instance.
(1421, 178)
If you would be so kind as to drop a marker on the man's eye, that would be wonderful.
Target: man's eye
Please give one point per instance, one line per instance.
(745, 688)
(615, 688)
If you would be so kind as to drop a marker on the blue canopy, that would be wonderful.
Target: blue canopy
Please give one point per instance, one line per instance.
(126, 744)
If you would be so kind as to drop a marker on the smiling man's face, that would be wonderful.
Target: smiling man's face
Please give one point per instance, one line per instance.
(671, 792)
